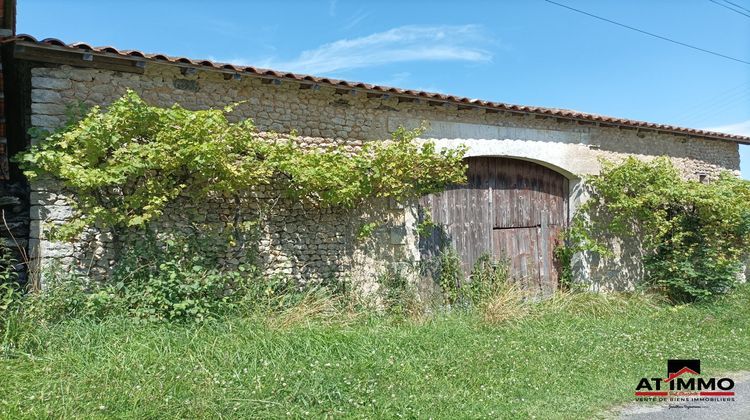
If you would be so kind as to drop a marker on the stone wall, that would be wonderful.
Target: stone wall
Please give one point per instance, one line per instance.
(310, 243)
(304, 242)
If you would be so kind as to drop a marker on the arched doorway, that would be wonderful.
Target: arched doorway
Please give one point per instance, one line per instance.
(509, 208)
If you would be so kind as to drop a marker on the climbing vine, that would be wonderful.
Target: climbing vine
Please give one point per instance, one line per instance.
(694, 236)
(126, 163)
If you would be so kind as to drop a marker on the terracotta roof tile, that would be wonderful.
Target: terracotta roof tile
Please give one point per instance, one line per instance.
(554, 112)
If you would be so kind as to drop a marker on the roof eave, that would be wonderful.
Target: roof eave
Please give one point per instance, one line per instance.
(54, 51)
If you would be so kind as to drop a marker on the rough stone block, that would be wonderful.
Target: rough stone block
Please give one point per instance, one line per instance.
(35, 229)
(82, 75)
(398, 235)
(45, 95)
(48, 109)
(50, 213)
(46, 121)
(51, 249)
(49, 83)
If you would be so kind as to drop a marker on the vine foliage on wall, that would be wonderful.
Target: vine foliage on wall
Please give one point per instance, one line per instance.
(126, 163)
(694, 235)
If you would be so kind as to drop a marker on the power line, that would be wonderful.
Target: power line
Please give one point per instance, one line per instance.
(649, 33)
(736, 96)
(737, 5)
(726, 98)
(730, 8)
(708, 114)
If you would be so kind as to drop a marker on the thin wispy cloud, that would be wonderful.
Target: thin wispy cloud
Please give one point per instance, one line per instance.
(355, 19)
(402, 44)
(741, 128)
(332, 8)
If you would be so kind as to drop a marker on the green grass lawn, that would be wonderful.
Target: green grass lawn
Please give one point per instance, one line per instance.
(572, 357)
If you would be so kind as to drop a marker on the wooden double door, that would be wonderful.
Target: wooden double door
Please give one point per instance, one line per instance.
(512, 209)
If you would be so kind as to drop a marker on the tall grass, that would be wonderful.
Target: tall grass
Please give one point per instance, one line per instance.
(571, 356)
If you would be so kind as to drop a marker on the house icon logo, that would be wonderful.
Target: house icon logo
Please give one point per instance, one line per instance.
(677, 368)
(685, 383)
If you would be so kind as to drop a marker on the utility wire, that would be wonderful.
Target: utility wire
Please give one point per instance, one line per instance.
(737, 5)
(728, 98)
(737, 104)
(728, 7)
(649, 33)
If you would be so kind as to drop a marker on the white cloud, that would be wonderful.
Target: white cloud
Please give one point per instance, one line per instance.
(402, 44)
(740, 128)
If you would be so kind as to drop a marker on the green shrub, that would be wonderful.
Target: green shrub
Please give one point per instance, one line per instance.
(8, 272)
(449, 275)
(10, 290)
(488, 277)
(61, 298)
(9, 295)
(158, 286)
(10, 304)
(563, 257)
(155, 283)
(693, 235)
(686, 273)
(398, 295)
(175, 281)
(149, 285)
(178, 291)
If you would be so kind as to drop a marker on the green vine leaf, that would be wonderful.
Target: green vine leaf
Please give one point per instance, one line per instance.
(694, 236)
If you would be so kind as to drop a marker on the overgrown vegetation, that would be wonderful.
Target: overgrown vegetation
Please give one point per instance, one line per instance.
(10, 292)
(176, 291)
(158, 284)
(179, 290)
(563, 253)
(585, 351)
(488, 279)
(173, 334)
(398, 296)
(694, 235)
(125, 164)
(163, 286)
(449, 275)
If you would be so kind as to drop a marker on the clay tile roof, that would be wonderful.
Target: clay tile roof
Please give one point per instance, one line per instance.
(133, 53)
(157, 57)
(53, 41)
(80, 45)
(552, 112)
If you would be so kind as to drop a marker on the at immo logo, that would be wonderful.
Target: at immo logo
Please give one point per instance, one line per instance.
(683, 380)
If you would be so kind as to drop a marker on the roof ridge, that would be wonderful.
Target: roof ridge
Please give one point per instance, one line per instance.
(552, 112)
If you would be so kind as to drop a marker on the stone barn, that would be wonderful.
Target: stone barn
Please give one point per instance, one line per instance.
(525, 163)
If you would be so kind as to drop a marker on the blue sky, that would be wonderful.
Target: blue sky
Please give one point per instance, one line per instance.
(526, 52)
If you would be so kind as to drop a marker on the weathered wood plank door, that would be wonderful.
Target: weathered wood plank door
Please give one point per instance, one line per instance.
(510, 209)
